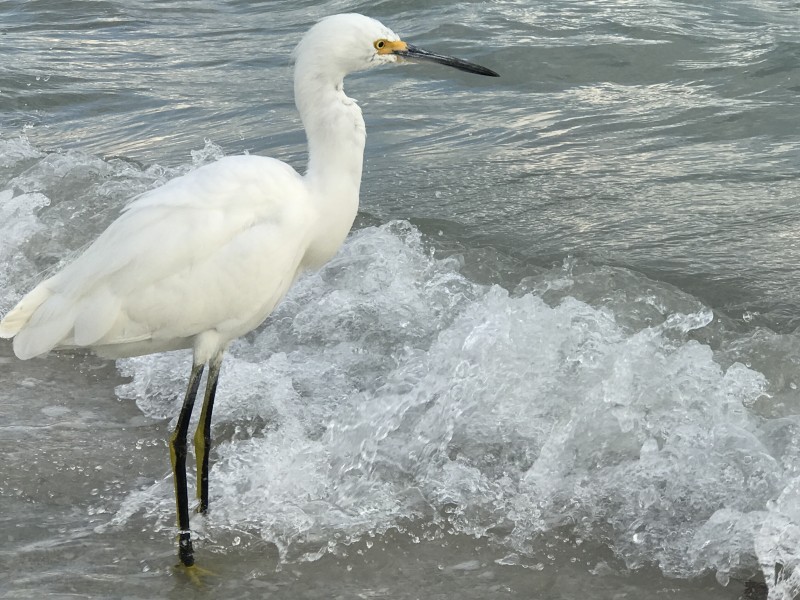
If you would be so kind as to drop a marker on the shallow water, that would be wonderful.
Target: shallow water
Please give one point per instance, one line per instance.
(556, 358)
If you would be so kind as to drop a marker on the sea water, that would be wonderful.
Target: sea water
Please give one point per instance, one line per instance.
(556, 357)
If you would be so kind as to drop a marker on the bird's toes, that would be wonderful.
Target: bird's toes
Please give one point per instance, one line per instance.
(197, 576)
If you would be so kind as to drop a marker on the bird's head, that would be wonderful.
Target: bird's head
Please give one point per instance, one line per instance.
(345, 43)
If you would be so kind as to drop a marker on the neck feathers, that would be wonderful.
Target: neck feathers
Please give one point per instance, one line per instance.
(334, 127)
(336, 135)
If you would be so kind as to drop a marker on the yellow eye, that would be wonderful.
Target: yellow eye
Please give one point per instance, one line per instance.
(380, 44)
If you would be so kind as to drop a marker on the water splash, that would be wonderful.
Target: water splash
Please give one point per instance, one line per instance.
(388, 387)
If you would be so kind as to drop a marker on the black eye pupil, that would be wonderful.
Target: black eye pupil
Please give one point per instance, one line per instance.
(381, 44)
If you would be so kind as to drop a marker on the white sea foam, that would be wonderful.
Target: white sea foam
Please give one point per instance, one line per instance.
(389, 387)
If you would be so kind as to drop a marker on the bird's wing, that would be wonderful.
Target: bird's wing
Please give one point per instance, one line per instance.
(213, 249)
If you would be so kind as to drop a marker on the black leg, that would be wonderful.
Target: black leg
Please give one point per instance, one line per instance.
(177, 447)
(202, 437)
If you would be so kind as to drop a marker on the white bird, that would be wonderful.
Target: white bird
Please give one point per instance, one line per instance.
(206, 257)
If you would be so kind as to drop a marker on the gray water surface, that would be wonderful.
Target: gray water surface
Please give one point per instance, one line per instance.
(556, 359)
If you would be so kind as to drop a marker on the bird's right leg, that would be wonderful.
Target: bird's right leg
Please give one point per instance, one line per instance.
(177, 447)
(202, 437)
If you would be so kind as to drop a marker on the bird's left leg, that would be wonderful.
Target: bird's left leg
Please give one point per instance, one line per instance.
(177, 445)
(202, 436)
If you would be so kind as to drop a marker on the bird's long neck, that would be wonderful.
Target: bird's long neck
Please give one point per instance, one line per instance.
(336, 136)
(335, 131)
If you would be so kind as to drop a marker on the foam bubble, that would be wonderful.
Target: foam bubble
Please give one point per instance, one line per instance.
(18, 221)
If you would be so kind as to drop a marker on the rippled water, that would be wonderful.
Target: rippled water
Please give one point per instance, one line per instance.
(557, 357)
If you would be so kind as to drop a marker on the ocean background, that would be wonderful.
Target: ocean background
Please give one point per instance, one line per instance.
(557, 358)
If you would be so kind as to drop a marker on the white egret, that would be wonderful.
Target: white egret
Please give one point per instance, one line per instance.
(206, 257)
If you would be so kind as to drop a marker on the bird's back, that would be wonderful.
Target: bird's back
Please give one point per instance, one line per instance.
(215, 249)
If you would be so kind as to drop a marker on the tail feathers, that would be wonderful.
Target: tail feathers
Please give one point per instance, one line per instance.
(19, 316)
(34, 341)
(44, 320)
(47, 328)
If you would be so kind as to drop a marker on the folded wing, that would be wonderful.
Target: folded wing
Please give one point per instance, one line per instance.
(215, 249)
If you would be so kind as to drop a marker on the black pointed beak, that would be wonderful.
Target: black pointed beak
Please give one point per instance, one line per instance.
(413, 53)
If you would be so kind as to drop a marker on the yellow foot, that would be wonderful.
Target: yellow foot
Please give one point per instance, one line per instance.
(196, 575)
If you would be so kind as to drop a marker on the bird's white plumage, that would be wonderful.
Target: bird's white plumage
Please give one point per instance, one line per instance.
(215, 249)
(207, 256)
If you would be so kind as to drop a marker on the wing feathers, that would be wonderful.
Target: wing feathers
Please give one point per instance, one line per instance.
(18, 317)
(96, 315)
(174, 264)
(50, 322)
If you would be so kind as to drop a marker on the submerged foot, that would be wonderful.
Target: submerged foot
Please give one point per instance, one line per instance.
(196, 575)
